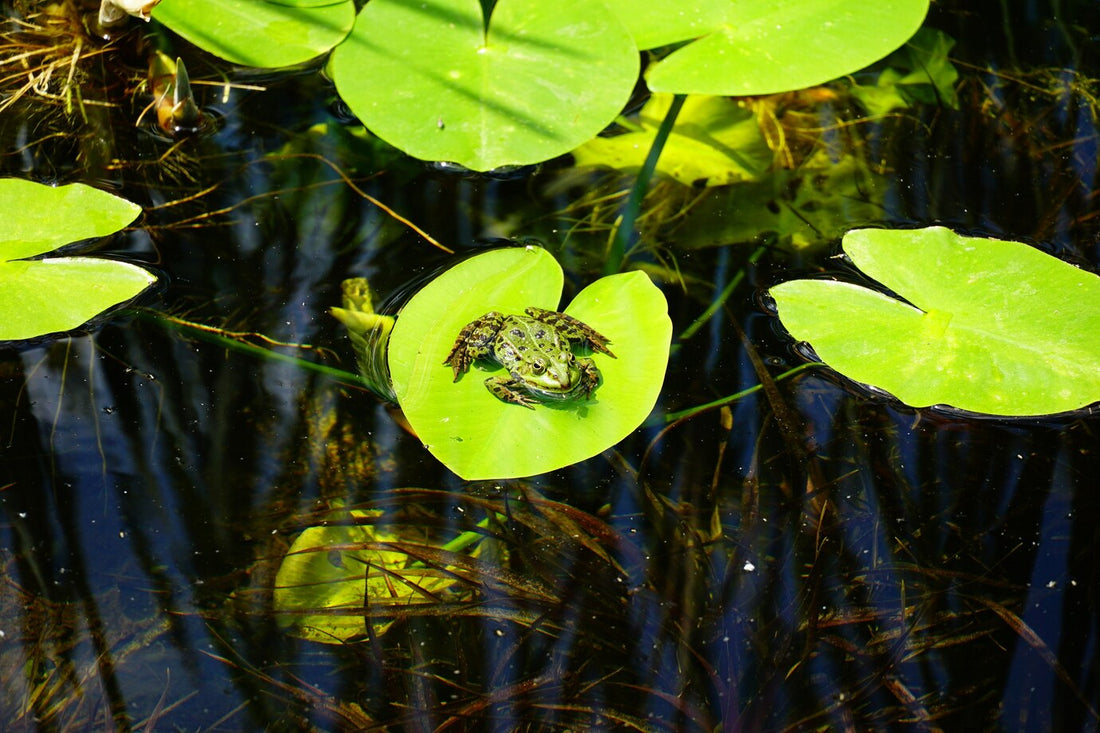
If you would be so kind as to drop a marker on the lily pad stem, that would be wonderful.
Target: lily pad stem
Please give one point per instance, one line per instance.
(626, 235)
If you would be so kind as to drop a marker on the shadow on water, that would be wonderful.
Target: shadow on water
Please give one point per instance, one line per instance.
(806, 557)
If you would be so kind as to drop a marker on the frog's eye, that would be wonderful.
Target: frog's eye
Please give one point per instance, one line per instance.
(538, 366)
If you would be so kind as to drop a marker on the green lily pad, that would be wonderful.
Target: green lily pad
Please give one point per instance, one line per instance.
(477, 435)
(669, 21)
(428, 77)
(258, 32)
(331, 573)
(990, 326)
(39, 297)
(714, 142)
(768, 46)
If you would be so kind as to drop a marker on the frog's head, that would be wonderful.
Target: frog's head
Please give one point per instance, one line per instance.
(553, 371)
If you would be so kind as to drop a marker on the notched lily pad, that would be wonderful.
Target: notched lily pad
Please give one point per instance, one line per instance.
(428, 77)
(44, 296)
(990, 326)
(477, 435)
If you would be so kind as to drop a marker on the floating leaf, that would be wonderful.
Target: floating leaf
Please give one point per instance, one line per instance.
(753, 47)
(258, 32)
(654, 24)
(478, 436)
(714, 142)
(990, 326)
(428, 77)
(38, 297)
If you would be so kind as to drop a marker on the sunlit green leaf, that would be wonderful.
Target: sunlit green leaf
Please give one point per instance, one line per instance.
(990, 326)
(767, 46)
(39, 297)
(478, 436)
(670, 21)
(427, 77)
(714, 142)
(258, 32)
(40, 218)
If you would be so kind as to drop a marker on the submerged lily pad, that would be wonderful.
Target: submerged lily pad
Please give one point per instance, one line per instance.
(990, 326)
(430, 79)
(260, 33)
(714, 142)
(768, 46)
(332, 574)
(477, 435)
(43, 296)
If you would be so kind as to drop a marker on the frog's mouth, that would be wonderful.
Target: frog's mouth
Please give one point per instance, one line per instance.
(554, 386)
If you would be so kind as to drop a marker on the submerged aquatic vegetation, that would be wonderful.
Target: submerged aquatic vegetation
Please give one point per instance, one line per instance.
(762, 554)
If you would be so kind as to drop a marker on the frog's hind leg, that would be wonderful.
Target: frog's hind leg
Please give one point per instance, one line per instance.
(507, 390)
(474, 341)
(572, 329)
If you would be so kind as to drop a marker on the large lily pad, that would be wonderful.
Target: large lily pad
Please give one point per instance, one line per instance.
(768, 46)
(478, 436)
(430, 79)
(990, 326)
(39, 297)
(260, 32)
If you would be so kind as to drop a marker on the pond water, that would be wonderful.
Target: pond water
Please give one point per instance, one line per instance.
(810, 556)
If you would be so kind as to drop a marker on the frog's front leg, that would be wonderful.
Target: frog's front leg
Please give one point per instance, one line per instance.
(474, 341)
(590, 376)
(572, 329)
(509, 390)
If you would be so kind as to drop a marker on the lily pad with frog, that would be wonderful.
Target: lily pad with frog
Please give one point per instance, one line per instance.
(479, 436)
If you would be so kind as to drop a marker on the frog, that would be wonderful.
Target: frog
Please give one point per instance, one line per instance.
(537, 351)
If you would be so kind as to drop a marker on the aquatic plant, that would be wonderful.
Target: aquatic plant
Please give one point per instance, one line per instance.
(257, 32)
(987, 325)
(43, 296)
(478, 436)
(445, 81)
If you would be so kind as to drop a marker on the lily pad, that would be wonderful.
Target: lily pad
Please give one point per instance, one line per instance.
(768, 46)
(714, 142)
(430, 79)
(39, 297)
(477, 435)
(990, 326)
(332, 573)
(259, 32)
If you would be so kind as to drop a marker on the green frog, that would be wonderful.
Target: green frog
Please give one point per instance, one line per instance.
(537, 351)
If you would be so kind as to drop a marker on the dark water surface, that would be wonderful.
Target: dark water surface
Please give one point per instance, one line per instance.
(813, 558)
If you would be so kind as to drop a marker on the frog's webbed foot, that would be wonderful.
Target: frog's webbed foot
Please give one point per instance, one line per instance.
(572, 329)
(509, 390)
(474, 341)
